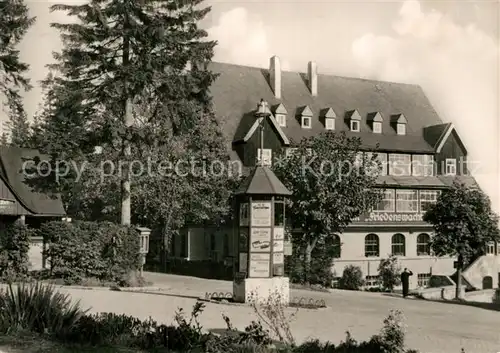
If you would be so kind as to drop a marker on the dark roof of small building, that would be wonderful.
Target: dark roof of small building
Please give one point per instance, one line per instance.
(262, 181)
(11, 171)
(238, 89)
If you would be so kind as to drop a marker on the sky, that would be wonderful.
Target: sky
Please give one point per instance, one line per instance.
(450, 48)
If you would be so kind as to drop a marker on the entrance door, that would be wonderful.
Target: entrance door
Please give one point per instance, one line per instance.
(487, 282)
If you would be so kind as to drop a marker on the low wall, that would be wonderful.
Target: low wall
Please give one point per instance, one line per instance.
(481, 296)
(446, 292)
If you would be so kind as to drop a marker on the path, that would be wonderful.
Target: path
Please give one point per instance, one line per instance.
(432, 327)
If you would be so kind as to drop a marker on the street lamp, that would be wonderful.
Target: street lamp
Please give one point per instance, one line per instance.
(262, 113)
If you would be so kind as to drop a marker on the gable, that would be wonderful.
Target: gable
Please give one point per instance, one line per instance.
(255, 126)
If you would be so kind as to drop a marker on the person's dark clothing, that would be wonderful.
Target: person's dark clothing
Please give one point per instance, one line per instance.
(405, 281)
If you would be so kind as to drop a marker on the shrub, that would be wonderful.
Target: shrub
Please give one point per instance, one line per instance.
(389, 273)
(37, 308)
(352, 278)
(14, 245)
(320, 271)
(101, 250)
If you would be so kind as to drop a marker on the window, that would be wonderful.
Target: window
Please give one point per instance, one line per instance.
(377, 127)
(401, 129)
(336, 246)
(423, 244)
(309, 152)
(306, 122)
(490, 248)
(387, 203)
(212, 242)
(382, 161)
(422, 165)
(358, 160)
(355, 125)
(279, 214)
(184, 249)
(281, 119)
(290, 151)
(398, 245)
(330, 124)
(226, 245)
(406, 201)
(267, 156)
(244, 214)
(372, 245)
(399, 164)
(427, 197)
(423, 279)
(451, 166)
(371, 281)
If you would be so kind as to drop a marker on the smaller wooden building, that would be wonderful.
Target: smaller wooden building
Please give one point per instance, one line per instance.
(20, 199)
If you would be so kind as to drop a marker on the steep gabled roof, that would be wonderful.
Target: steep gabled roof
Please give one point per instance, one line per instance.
(238, 89)
(12, 160)
(262, 181)
(328, 113)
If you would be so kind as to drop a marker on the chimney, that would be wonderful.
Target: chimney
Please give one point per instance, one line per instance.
(312, 77)
(275, 76)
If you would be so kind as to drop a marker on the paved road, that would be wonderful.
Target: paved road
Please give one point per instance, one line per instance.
(432, 327)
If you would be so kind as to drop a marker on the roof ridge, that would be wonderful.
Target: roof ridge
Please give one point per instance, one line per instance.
(326, 74)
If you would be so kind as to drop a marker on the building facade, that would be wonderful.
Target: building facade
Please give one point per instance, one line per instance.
(420, 155)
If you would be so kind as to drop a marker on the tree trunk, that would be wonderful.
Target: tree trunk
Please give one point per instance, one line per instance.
(458, 292)
(307, 259)
(126, 150)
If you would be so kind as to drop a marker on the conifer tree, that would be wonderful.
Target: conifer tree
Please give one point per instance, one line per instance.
(125, 54)
(14, 23)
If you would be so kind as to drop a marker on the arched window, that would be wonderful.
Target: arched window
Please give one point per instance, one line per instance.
(398, 245)
(423, 244)
(372, 245)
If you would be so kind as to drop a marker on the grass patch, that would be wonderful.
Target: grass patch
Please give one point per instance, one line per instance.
(28, 343)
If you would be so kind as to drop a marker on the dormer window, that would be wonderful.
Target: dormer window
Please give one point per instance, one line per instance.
(306, 122)
(280, 115)
(330, 124)
(306, 117)
(375, 119)
(354, 120)
(329, 118)
(401, 129)
(400, 122)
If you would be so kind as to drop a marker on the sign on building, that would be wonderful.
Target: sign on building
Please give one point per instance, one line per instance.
(260, 240)
(259, 265)
(261, 214)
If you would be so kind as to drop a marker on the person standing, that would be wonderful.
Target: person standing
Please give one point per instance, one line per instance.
(405, 281)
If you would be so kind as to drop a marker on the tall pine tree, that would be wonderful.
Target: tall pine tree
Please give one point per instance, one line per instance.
(132, 78)
(14, 23)
(121, 52)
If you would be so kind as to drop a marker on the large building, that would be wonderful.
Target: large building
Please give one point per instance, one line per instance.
(398, 118)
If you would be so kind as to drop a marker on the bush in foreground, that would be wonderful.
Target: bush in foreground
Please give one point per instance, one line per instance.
(37, 308)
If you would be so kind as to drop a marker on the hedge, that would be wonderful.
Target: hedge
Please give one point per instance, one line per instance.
(101, 250)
